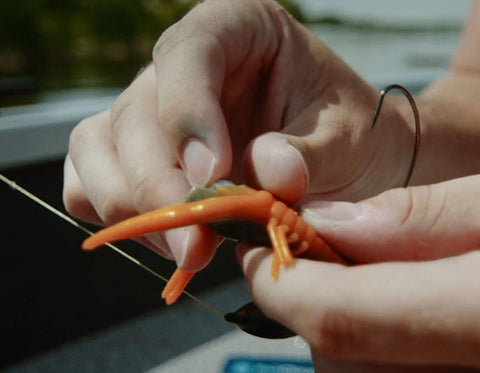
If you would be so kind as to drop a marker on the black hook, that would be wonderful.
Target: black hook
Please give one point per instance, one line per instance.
(413, 105)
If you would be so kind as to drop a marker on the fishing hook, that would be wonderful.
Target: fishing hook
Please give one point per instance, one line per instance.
(416, 116)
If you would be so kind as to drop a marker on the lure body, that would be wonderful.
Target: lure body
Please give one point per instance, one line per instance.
(234, 211)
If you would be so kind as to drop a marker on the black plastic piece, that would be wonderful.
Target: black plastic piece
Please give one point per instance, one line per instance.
(251, 320)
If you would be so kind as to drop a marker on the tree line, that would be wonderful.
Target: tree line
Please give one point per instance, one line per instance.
(44, 34)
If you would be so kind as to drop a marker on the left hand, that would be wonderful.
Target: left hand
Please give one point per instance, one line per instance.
(402, 312)
(390, 313)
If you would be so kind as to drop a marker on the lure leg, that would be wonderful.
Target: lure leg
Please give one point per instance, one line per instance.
(176, 285)
(303, 247)
(282, 253)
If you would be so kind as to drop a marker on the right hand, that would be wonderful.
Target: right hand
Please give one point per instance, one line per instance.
(413, 300)
(238, 90)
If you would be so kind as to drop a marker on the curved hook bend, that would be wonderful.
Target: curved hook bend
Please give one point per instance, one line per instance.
(416, 115)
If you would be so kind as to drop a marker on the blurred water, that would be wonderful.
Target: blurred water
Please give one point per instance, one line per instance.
(377, 54)
(405, 12)
(389, 39)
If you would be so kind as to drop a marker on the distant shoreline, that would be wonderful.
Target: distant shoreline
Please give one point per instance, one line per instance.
(386, 26)
(411, 13)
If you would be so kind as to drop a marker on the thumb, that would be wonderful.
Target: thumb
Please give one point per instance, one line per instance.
(274, 164)
(416, 223)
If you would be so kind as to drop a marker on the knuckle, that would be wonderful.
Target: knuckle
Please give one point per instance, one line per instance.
(119, 107)
(107, 209)
(111, 209)
(165, 42)
(72, 201)
(80, 136)
(137, 101)
(143, 190)
(79, 207)
(122, 114)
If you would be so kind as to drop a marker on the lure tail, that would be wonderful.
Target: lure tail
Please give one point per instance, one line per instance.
(249, 207)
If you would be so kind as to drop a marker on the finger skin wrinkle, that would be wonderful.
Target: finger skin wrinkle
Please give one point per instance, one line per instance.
(416, 202)
(409, 207)
(336, 334)
(80, 136)
(438, 207)
(172, 38)
(143, 188)
(426, 206)
(118, 110)
(424, 331)
(111, 209)
(164, 39)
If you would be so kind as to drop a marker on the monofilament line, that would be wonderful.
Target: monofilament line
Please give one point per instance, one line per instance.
(73, 222)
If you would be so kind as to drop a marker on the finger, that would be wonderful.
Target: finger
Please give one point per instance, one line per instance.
(98, 192)
(94, 158)
(205, 64)
(192, 118)
(415, 313)
(327, 148)
(74, 198)
(152, 174)
(415, 223)
(144, 152)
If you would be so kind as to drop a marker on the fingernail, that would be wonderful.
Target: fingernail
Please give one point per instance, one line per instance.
(331, 211)
(179, 241)
(198, 163)
(297, 168)
(279, 167)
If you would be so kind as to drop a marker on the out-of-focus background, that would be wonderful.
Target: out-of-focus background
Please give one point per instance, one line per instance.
(62, 60)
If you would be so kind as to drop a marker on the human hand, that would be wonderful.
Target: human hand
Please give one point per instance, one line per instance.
(238, 90)
(417, 312)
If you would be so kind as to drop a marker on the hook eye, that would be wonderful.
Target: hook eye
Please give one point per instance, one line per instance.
(251, 320)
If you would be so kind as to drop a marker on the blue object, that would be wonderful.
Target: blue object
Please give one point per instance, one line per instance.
(249, 365)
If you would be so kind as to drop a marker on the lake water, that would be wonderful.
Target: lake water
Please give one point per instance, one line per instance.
(397, 39)
(391, 11)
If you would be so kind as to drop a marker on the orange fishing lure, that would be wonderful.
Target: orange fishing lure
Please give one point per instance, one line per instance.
(235, 211)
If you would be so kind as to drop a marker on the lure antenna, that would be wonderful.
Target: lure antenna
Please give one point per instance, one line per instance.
(416, 116)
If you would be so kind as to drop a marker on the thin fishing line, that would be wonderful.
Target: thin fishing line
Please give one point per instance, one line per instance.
(73, 222)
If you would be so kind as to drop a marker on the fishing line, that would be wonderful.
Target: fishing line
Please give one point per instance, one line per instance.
(119, 251)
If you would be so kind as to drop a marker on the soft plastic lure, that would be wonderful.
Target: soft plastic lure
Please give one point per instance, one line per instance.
(240, 213)
(234, 211)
